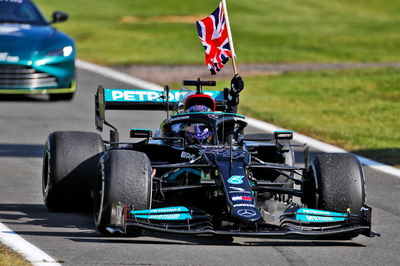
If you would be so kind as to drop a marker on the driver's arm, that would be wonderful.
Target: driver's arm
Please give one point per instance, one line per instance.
(237, 85)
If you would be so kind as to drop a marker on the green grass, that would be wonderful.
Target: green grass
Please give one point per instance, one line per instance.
(355, 109)
(9, 257)
(264, 30)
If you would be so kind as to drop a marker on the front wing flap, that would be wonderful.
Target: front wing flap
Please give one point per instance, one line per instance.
(192, 221)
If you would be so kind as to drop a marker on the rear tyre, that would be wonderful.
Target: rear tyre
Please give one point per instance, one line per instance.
(336, 183)
(69, 166)
(61, 97)
(123, 176)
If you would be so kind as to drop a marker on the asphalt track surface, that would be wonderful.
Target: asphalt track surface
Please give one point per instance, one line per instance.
(71, 238)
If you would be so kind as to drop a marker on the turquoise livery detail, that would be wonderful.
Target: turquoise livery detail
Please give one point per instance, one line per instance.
(162, 210)
(129, 95)
(320, 216)
(236, 180)
(168, 213)
(160, 216)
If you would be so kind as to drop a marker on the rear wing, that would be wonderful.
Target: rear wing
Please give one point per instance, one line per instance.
(139, 99)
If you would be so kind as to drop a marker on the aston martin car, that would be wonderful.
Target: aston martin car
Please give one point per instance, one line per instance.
(35, 57)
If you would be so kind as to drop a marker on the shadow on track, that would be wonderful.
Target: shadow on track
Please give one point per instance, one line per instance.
(39, 215)
(57, 224)
(166, 239)
(24, 98)
(21, 150)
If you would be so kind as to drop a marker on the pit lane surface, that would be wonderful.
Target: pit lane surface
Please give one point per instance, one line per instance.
(71, 239)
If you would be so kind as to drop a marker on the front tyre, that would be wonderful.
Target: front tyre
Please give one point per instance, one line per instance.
(335, 183)
(122, 176)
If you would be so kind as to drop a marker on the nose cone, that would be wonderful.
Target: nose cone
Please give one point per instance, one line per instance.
(247, 215)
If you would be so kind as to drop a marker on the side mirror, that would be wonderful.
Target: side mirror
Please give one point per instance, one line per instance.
(59, 16)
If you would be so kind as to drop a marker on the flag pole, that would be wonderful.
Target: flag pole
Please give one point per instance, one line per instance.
(228, 27)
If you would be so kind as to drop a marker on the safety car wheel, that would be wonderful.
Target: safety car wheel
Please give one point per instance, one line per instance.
(123, 176)
(61, 96)
(336, 183)
(69, 166)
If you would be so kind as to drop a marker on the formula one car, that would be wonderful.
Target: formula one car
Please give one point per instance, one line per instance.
(200, 174)
(35, 58)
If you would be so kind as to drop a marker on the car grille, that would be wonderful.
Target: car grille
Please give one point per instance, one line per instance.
(16, 76)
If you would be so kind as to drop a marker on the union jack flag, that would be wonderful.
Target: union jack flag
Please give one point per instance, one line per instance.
(214, 37)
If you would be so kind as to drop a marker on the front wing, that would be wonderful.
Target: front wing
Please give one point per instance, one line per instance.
(190, 221)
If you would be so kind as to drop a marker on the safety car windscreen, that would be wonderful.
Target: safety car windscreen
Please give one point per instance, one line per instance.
(20, 11)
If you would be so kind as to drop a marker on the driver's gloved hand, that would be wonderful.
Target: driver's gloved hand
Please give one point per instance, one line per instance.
(237, 85)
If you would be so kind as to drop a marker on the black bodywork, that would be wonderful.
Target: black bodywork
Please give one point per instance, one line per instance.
(236, 184)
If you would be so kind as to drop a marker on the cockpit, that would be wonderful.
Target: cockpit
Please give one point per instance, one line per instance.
(205, 128)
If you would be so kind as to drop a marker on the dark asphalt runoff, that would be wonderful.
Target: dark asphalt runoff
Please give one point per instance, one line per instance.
(71, 238)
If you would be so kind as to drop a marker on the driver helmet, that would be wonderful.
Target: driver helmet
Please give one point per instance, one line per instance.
(198, 133)
(192, 100)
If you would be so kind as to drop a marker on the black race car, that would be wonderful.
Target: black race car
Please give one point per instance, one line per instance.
(200, 174)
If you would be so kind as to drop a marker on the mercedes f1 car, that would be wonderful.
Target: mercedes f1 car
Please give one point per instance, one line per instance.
(200, 174)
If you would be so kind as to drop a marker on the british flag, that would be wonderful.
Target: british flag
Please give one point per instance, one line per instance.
(214, 37)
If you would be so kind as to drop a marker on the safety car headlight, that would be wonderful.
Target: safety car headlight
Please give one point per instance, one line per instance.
(65, 51)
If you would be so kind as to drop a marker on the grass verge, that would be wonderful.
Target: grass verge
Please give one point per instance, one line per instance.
(141, 31)
(9, 257)
(354, 109)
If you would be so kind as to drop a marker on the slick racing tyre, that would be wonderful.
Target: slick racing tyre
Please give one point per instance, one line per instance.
(69, 166)
(123, 176)
(336, 183)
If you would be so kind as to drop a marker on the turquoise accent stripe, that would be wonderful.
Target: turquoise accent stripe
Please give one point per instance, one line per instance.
(162, 210)
(320, 216)
(215, 113)
(168, 213)
(138, 96)
(284, 131)
(172, 216)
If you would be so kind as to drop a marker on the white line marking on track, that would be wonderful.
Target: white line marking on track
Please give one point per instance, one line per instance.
(30, 252)
(116, 75)
(261, 125)
(324, 147)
